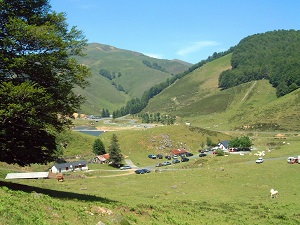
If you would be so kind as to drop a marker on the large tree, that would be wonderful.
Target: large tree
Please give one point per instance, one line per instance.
(98, 147)
(38, 73)
(115, 156)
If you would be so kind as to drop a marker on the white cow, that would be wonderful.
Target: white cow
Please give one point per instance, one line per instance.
(274, 193)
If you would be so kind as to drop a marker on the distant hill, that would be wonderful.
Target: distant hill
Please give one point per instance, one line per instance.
(197, 98)
(124, 75)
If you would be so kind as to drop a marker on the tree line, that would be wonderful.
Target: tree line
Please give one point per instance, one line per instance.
(273, 55)
(154, 66)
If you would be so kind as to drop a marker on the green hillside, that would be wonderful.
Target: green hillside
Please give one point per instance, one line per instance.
(133, 71)
(188, 91)
(250, 106)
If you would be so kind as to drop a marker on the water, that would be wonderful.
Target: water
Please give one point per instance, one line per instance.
(88, 130)
(91, 132)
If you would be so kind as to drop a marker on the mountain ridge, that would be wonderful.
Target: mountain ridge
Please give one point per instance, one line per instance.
(134, 76)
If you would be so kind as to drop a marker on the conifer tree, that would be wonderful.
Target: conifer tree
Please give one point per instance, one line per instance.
(115, 155)
(98, 147)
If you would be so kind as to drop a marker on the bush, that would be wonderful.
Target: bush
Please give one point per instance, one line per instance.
(220, 152)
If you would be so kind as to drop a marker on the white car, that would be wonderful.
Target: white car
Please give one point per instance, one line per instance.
(259, 160)
(125, 167)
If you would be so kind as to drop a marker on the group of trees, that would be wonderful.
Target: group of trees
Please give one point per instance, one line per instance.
(115, 156)
(154, 66)
(105, 113)
(157, 118)
(108, 75)
(37, 78)
(272, 55)
(242, 142)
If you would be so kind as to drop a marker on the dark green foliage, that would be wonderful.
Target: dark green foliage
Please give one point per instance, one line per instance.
(242, 142)
(157, 118)
(115, 156)
(220, 152)
(98, 147)
(37, 78)
(24, 129)
(154, 66)
(105, 113)
(106, 74)
(209, 142)
(118, 86)
(272, 55)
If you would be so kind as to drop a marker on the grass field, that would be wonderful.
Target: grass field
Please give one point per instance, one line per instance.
(208, 190)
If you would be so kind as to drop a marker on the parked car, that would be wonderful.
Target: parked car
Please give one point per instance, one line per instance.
(151, 156)
(139, 171)
(167, 163)
(146, 170)
(202, 154)
(125, 167)
(159, 156)
(189, 154)
(175, 156)
(259, 160)
(168, 157)
(159, 164)
(184, 159)
(176, 161)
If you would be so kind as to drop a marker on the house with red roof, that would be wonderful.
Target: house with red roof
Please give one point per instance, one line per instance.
(178, 152)
(101, 159)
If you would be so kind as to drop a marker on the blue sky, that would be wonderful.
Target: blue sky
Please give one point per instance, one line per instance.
(189, 30)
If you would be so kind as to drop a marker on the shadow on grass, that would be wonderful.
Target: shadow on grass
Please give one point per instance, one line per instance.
(55, 193)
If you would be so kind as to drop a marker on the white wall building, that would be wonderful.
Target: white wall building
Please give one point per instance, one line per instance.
(69, 167)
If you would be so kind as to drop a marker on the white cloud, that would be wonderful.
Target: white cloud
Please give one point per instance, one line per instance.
(153, 55)
(195, 47)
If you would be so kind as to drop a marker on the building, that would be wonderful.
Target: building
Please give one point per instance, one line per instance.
(69, 166)
(224, 145)
(101, 159)
(29, 175)
(178, 152)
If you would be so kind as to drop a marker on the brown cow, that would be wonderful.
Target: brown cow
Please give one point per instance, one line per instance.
(60, 177)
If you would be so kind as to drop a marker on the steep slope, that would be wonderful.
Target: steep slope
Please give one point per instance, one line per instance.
(188, 91)
(132, 71)
(250, 106)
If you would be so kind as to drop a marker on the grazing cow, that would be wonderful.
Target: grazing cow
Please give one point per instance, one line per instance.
(60, 177)
(274, 193)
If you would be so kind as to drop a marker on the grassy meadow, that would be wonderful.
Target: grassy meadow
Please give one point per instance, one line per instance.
(206, 190)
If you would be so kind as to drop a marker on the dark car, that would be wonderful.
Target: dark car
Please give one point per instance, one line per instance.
(146, 170)
(176, 161)
(189, 154)
(168, 157)
(183, 159)
(159, 156)
(139, 171)
(202, 154)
